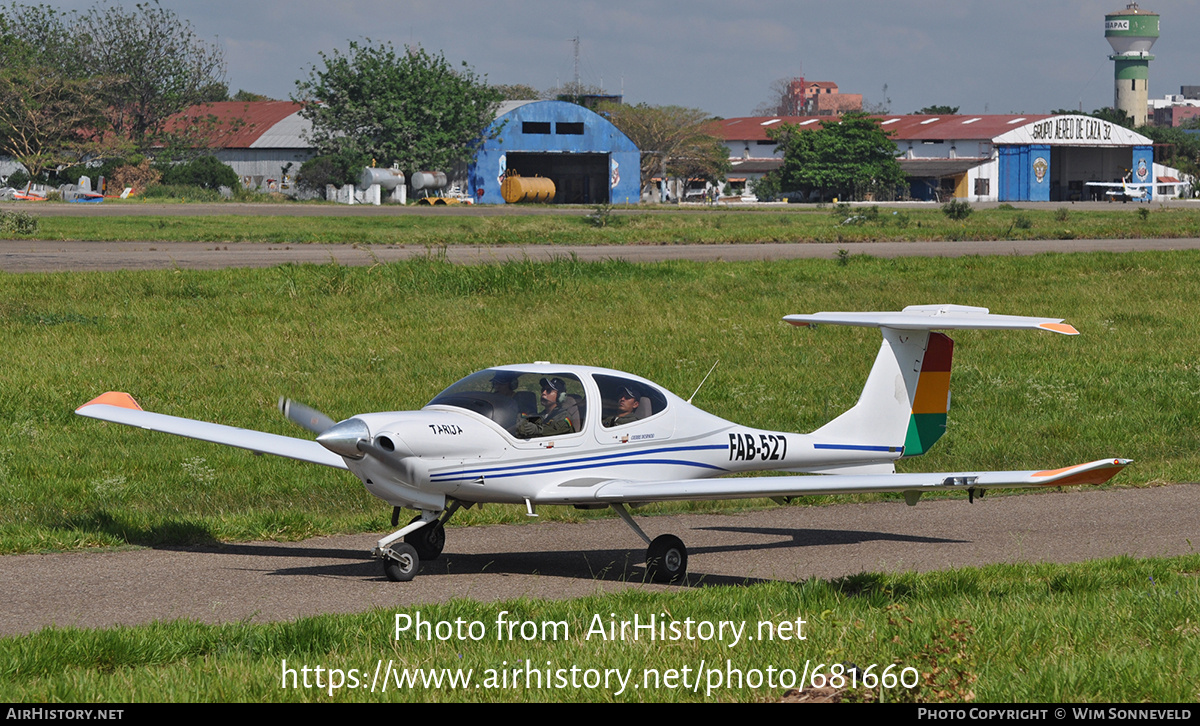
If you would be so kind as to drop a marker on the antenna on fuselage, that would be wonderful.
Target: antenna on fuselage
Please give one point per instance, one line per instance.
(706, 375)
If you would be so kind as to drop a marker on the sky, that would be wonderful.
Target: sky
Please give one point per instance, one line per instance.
(1016, 56)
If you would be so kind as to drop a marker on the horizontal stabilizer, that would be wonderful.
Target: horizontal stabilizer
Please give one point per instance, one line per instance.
(123, 409)
(935, 317)
(1096, 472)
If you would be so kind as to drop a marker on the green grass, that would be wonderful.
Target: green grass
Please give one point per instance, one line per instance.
(224, 345)
(1119, 631)
(628, 226)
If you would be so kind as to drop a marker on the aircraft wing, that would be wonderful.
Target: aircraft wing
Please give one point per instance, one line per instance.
(1096, 472)
(1130, 185)
(123, 409)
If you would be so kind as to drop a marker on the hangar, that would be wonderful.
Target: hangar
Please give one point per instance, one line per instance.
(265, 142)
(986, 158)
(588, 158)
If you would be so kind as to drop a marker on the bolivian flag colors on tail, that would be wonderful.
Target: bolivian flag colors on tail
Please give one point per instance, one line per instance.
(932, 400)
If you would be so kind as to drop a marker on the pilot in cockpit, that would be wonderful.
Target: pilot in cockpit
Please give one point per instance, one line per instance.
(560, 414)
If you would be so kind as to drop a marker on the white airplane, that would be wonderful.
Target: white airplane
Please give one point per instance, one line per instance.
(610, 439)
(1126, 190)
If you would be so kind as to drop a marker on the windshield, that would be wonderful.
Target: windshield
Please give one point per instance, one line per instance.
(508, 397)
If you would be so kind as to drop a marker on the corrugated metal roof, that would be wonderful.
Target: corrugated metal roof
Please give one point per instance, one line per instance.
(756, 166)
(903, 127)
(938, 167)
(245, 125)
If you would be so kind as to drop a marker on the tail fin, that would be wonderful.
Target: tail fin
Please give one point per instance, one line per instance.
(907, 395)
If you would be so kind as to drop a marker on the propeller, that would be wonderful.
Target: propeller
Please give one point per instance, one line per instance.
(350, 438)
(305, 417)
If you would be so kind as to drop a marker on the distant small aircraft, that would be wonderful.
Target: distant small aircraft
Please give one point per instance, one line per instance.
(1126, 190)
(602, 438)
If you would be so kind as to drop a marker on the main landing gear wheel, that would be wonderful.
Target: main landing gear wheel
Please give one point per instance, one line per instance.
(428, 541)
(666, 559)
(401, 562)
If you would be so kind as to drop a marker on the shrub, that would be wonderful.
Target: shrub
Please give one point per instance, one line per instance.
(138, 175)
(18, 223)
(1022, 222)
(185, 192)
(207, 172)
(332, 169)
(1062, 214)
(766, 188)
(18, 179)
(957, 209)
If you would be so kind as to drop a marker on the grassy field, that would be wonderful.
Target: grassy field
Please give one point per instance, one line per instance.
(1119, 631)
(224, 345)
(636, 226)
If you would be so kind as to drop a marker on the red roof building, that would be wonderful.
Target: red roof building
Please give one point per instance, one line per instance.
(264, 141)
(959, 156)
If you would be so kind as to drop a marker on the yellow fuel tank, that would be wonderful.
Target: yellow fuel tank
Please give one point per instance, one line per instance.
(527, 189)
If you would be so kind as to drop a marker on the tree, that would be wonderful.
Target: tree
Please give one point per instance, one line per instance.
(517, 92)
(250, 97)
(667, 136)
(47, 120)
(783, 99)
(154, 63)
(937, 111)
(703, 158)
(50, 114)
(850, 158)
(1175, 147)
(410, 108)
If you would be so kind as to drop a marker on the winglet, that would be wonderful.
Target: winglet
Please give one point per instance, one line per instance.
(113, 398)
(1063, 328)
(1096, 472)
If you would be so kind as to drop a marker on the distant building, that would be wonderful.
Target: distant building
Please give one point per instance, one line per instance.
(588, 158)
(821, 98)
(800, 97)
(1174, 109)
(263, 141)
(1011, 157)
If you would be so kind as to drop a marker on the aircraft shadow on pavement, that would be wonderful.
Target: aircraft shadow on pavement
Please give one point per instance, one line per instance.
(610, 565)
(827, 537)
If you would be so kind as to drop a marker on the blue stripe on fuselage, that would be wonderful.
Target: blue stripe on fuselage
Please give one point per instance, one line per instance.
(853, 447)
(586, 462)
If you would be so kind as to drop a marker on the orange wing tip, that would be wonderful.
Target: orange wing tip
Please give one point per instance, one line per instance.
(1060, 328)
(1095, 473)
(114, 398)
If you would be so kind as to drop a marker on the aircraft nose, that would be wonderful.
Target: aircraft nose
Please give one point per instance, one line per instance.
(342, 438)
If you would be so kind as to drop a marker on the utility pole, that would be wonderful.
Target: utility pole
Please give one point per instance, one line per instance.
(576, 41)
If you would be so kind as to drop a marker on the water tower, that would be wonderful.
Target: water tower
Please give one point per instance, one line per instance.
(1131, 33)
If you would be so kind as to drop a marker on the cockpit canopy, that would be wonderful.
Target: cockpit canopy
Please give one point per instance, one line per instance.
(505, 396)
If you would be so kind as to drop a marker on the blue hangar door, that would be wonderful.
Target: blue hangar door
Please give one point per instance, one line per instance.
(578, 178)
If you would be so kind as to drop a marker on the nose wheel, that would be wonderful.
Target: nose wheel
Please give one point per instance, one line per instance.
(423, 539)
(401, 562)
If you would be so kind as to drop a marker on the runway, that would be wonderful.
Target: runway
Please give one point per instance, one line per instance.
(269, 581)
